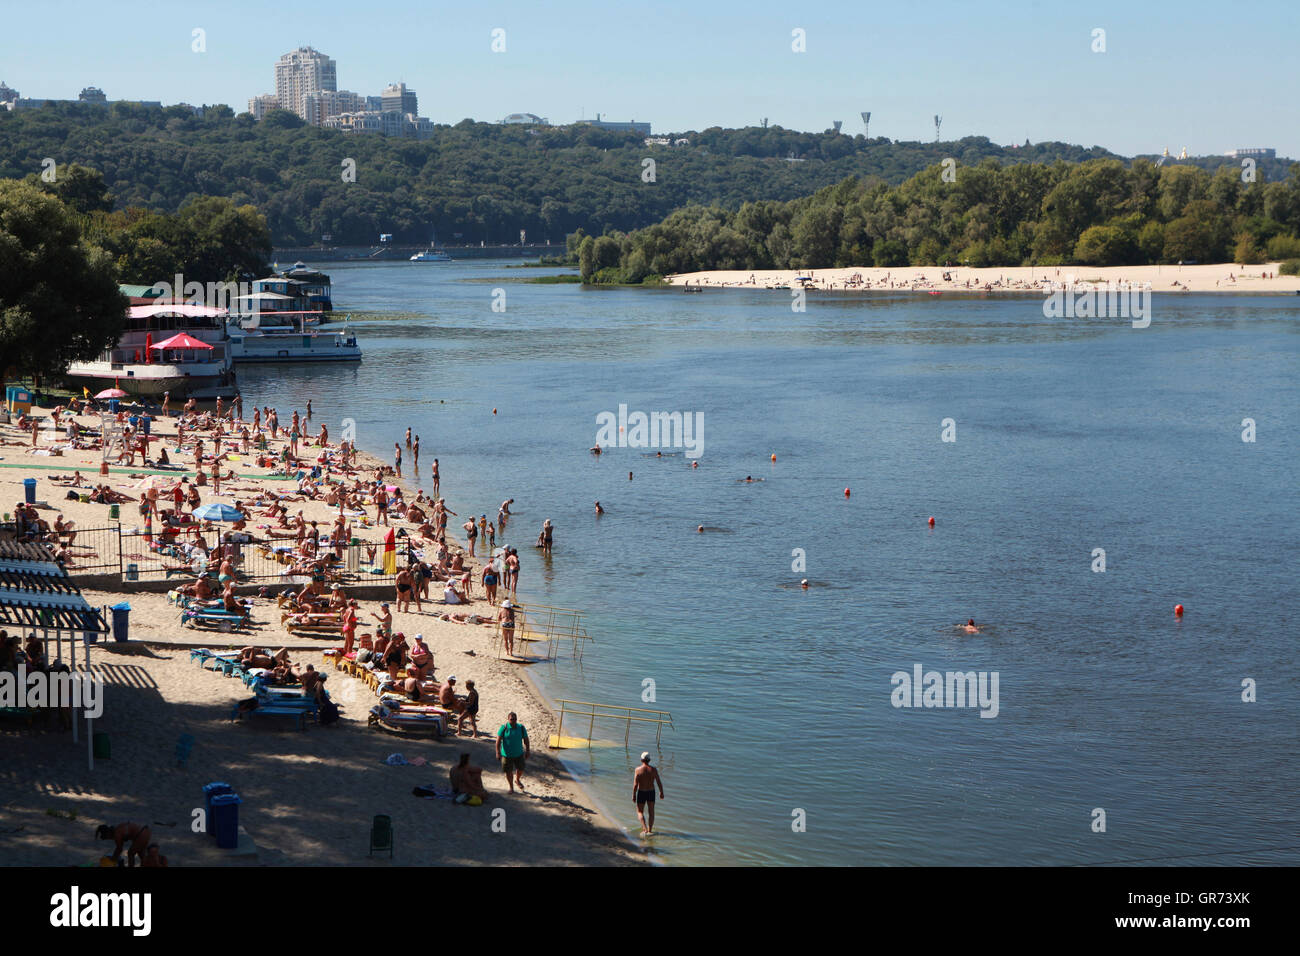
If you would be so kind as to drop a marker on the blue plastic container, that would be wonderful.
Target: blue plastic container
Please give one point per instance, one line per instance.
(223, 821)
(211, 790)
(29, 490)
(121, 621)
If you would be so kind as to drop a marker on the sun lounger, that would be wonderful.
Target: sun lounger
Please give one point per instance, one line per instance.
(297, 714)
(212, 617)
(402, 721)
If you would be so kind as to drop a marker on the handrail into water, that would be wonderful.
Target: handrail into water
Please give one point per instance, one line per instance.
(626, 714)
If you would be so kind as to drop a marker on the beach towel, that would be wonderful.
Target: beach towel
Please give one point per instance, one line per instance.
(433, 792)
(396, 760)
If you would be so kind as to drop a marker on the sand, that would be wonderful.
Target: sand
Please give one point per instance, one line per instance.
(1228, 278)
(308, 796)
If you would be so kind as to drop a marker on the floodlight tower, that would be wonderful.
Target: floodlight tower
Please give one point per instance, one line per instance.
(938, 121)
(866, 124)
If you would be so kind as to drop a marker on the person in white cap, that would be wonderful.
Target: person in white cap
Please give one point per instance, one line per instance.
(644, 781)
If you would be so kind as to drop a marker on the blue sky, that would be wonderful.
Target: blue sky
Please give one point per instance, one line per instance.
(1208, 76)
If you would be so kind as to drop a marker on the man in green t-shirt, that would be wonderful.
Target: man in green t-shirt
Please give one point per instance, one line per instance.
(513, 748)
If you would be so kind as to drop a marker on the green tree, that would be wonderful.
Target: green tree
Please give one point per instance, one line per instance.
(59, 301)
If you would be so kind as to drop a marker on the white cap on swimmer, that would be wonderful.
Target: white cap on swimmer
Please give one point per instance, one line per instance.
(645, 756)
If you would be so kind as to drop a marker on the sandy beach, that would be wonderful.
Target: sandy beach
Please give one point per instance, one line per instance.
(308, 796)
(1226, 278)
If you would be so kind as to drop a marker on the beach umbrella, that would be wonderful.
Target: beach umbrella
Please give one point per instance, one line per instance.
(182, 341)
(111, 393)
(217, 511)
(148, 345)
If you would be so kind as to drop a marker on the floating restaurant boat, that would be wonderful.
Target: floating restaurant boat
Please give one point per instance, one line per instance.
(275, 323)
(174, 347)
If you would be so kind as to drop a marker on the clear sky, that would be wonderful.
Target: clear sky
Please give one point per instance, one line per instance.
(1206, 75)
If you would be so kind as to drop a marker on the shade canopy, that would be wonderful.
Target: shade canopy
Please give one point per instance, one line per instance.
(192, 310)
(217, 511)
(111, 393)
(182, 341)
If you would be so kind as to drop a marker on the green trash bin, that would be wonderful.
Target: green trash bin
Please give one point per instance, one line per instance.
(113, 512)
(102, 749)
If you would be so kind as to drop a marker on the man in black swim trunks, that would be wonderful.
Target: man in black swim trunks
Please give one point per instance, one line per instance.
(644, 781)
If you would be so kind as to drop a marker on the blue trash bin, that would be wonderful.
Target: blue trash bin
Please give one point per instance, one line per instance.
(224, 820)
(213, 790)
(112, 405)
(29, 490)
(121, 621)
(146, 422)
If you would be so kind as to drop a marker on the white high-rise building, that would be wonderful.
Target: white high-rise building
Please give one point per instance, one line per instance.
(300, 73)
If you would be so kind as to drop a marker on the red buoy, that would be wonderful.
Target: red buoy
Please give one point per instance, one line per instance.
(930, 522)
(1178, 610)
(846, 492)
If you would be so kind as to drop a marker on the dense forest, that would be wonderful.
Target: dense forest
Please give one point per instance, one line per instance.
(470, 182)
(1099, 212)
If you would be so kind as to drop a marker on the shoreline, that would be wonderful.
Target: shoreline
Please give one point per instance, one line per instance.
(565, 822)
(1226, 279)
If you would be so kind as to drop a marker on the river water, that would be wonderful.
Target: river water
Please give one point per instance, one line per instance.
(787, 746)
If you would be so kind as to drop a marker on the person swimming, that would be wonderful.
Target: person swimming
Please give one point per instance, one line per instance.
(599, 510)
(970, 627)
(804, 584)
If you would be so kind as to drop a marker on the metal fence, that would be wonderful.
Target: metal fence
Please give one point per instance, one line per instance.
(142, 554)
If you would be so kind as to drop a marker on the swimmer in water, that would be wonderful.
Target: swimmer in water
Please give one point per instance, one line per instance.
(970, 627)
(700, 529)
(599, 510)
(804, 584)
(595, 450)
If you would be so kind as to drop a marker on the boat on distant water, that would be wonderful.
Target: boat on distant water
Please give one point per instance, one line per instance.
(176, 347)
(431, 255)
(250, 341)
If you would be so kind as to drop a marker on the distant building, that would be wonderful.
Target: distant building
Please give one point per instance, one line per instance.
(306, 83)
(382, 122)
(300, 72)
(259, 106)
(525, 119)
(1253, 152)
(396, 97)
(9, 99)
(319, 106)
(630, 127)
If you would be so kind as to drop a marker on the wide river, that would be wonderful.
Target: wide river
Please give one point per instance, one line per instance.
(1071, 435)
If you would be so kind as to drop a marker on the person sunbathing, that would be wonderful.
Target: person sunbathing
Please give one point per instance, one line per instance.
(256, 657)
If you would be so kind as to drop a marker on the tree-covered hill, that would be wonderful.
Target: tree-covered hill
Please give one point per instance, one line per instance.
(1100, 212)
(469, 182)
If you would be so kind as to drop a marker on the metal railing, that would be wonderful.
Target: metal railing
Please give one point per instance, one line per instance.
(541, 623)
(629, 715)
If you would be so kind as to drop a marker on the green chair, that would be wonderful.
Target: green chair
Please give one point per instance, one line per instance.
(381, 835)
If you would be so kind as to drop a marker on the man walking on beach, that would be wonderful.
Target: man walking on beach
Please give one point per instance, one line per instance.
(513, 749)
(644, 781)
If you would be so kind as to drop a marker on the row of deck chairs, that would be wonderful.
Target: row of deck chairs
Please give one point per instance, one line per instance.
(394, 712)
(283, 702)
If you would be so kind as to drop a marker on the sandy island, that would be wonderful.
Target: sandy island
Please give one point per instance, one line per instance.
(1234, 279)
